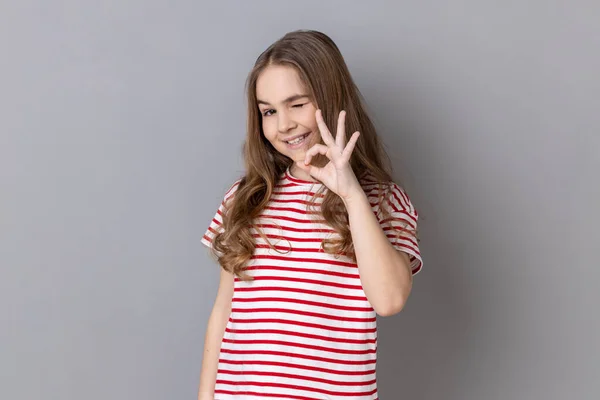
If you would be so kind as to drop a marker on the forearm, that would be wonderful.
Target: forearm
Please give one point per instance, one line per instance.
(212, 346)
(384, 271)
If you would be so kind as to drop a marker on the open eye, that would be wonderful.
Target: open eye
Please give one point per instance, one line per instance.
(268, 112)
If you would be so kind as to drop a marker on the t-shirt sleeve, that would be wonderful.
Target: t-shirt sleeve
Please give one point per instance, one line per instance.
(216, 224)
(400, 222)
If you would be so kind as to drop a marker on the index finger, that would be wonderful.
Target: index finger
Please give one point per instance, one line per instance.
(325, 134)
(340, 137)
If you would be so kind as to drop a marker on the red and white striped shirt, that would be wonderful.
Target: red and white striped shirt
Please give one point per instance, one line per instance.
(303, 328)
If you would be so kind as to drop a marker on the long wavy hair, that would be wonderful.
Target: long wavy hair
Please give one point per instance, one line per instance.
(331, 88)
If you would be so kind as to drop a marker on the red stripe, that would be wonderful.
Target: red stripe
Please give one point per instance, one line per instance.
(287, 176)
(402, 232)
(290, 219)
(279, 396)
(299, 312)
(305, 202)
(298, 290)
(403, 247)
(232, 187)
(304, 335)
(416, 267)
(307, 270)
(300, 323)
(300, 377)
(295, 210)
(397, 217)
(403, 221)
(303, 356)
(305, 260)
(394, 201)
(375, 203)
(299, 280)
(374, 186)
(283, 248)
(299, 345)
(297, 366)
(399, 206)
(412, 218)
(296, 387)
(301, 192)
(405, 202)
(289, 185)
(396, 236)
(289, 238)
(305, 302)
(288, 228)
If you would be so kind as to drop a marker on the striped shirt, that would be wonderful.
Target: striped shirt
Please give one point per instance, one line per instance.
(303, 327)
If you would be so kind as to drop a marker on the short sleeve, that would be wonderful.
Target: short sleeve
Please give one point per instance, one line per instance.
(216, 224)
(400, 222)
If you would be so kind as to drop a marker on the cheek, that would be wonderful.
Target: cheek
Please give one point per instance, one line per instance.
(310, 120)
(269, 130)
(311, 123)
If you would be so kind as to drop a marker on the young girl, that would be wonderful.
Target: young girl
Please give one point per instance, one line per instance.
(314, 240)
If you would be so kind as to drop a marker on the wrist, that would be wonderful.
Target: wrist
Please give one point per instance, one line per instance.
(355, 196)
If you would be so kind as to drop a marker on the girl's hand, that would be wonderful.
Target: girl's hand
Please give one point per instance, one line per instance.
(337, 175)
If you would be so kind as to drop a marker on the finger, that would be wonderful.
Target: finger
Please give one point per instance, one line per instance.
(340, 137)
(325, 134)
(316, 149)
(350, 146)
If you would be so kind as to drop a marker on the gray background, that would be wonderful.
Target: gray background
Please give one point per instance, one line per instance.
(121, 126)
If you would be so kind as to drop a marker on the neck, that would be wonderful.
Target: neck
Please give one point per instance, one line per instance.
(300, 174)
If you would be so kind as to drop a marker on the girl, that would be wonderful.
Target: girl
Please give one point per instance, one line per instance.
(314, 240)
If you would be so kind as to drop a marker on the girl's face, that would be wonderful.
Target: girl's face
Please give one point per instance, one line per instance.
(287, 112)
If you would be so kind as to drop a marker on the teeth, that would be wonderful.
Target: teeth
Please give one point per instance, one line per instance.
(298, 140)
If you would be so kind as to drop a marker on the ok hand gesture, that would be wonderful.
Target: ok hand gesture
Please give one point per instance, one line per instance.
(337, 175)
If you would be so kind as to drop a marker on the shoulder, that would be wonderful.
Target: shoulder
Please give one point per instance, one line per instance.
(389, 195)
(233, 187)
(230, 192)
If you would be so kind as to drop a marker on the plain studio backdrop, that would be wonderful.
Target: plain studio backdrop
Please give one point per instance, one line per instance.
(121, 124)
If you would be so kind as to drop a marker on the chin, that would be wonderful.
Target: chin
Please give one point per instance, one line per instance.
(297, 155)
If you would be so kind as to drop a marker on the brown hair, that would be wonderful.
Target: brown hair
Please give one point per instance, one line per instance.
(323, 71)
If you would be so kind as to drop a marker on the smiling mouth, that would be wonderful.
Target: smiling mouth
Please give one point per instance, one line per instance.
(298, 140)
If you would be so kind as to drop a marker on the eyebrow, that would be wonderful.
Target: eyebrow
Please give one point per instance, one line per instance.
(288, 100)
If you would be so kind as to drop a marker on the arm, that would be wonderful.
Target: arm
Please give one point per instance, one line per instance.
(385, 272)
(214, 335)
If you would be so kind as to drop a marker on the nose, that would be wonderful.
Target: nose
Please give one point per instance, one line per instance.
(284, 123)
